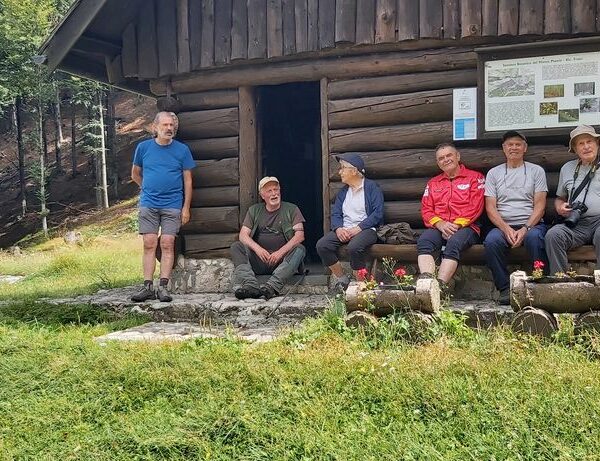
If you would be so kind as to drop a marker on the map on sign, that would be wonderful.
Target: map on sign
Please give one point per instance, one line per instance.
(542, 92)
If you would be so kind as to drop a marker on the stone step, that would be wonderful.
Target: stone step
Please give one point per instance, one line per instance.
(298, 284)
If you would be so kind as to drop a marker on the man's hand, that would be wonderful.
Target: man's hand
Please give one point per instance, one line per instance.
(511, 235)
(185, 216)
(519, 236)
(446, 228)
(352, 231)
(263, 254)
(342, 234)
(275, 258)
(564, 209)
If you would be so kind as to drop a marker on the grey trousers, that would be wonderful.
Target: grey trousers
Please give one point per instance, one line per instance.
(561, 239)
(248, 265)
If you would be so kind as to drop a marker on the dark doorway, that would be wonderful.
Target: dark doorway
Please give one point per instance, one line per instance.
(290, 127)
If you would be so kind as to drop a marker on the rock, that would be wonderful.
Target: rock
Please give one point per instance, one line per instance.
(15, 251)
(73, 238)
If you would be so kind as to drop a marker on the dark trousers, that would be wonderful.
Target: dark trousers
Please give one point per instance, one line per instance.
(497, 247)
(329, 244)
(248, 265)
(561, 239)
(431, 241)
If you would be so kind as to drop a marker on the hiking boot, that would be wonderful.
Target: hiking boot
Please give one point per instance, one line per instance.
(247, 292)
(425, 275)
(504, 298)
(444, 288)
(340, 287)
(163, 294)
(267, 292)
(146, 293)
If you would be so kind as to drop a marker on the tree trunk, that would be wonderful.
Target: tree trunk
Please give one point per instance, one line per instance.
(73, 141)
(43, 159)
(44, 134)
(58, 128)
(111, 137)
(20, 152)
(103, 181)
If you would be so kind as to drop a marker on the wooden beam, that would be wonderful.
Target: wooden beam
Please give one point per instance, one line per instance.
(557, 17)
(489, 25)
(239, 30)
(583, 16)
(223, 17)
(326, 24)
(451, 14)
(208, 123)
(257, 29)
(470, 14)
(288, 19)
(325, 154)
(130, 51)
(408, 19)
(345, 21)
(301, 20)
(147, 40)
(74, 25)
(97, 46)
(198, 244)
(365, 22)
(183, 37)
(370, 65)
(508, 17)
(114, 70)
(531, 17)
(166, 25)
(385, 21)
(274, 28)
(214, 148)
(218, 99)
(313, 25)
(431, 19)
(212, 220)
(195, 21)
(211, 173)
(207, 53)
(248, 151)
(216, 196)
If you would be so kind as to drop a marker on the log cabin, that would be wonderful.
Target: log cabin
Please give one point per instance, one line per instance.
(279, 87)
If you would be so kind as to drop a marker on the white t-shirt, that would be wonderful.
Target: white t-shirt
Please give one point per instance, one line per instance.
(353, 208)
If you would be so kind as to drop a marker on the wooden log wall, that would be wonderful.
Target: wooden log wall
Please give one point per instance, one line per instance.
(395, 122)
(175, 37)
(209, 125)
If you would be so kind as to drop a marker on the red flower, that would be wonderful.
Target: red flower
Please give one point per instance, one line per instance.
(538, 265)
(400, 272)
(362, 274)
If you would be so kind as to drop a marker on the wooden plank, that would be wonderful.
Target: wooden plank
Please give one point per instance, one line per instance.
(214, 148)
(385, 21)
(410, 163)
(147, 43)
(257, 29)
(217, 99)
(239, 30)
(431, 19)
(408, 19)
(223, 23)
(208, 123)
(598, 15)
(451, 15)
(210, 173)
(325, 154)
(398, 84)
(489, 25)
(183, 37)
(313, 25)
(345, 21)
(207, 54)
(508, 17)
(370, 65)
(212, 220)
(423, 106)
(470, 18)
(130, 51)
(114, 70)
(195, 21)
(248, 153)
(583, 16)
(557, 17)
(274, 28)
(289, 26)
(166, 25)
(198, 244)
(327, 24)
(390, 137)
(301, 19)
(216, 196)
(211, 254)
(531, 17)
(365, 21)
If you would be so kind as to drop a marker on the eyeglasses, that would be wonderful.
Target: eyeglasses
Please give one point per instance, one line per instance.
(347, 168)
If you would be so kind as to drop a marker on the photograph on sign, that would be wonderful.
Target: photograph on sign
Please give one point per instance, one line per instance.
(542, 92)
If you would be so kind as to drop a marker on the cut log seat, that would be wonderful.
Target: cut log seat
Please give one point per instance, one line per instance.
(407, 254)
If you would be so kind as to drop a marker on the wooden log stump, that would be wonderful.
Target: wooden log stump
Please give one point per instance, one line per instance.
(588, 322)
(557, 298)
(424, 297)
(361, 319)
(537, 322)
(418, 322)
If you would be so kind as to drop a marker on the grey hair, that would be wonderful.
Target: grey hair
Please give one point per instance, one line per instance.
(163, 114)
(360, 174)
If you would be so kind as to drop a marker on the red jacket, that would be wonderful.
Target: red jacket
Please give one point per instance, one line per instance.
(459, 200)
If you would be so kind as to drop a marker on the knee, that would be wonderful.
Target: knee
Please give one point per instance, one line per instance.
(167, 242)
(534, 238)
(596, 239)
(300, 250)
(150, 241)
(323, 245)
(494, 241)
(555, 236)
(236, 246)
(355, 248)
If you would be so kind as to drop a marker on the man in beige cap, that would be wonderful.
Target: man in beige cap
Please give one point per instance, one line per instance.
(269, 244)
(577, 200)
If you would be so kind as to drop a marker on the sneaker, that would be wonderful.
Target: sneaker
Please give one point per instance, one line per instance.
(444, 288)
(504, 298)
(144, 294)
(247, 292)
(340, 287)
(267, 292)
(163, 294)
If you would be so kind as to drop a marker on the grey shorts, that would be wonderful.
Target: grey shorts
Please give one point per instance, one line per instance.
(167, 219)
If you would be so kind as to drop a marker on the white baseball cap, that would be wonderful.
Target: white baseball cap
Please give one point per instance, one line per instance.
(267, 179)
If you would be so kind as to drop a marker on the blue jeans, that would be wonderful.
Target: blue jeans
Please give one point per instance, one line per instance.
(497, 247)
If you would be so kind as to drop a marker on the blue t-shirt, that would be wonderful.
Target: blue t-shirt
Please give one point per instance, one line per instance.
(162, 172)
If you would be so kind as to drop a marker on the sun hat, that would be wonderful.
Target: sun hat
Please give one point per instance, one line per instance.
(267, 179)
(581, 129)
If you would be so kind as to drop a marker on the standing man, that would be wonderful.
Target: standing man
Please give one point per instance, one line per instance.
(515, 201)
(269, 244)
(577, 200)
(162, 167)
(451, 204)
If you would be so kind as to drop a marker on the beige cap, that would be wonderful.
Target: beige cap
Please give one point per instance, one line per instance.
(267, 179)
(581, 129)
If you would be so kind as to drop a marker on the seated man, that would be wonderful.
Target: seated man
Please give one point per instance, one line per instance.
(269, 244)
(515, 201)
(451, 204)
(577, 200)
(356, 213)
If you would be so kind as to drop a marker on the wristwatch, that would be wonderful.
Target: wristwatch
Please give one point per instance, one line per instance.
(528, 228)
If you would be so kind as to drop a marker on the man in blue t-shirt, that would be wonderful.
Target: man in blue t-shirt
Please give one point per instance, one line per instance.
(162, 167)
